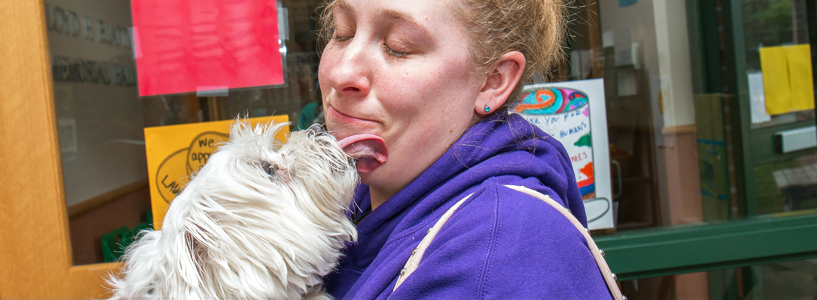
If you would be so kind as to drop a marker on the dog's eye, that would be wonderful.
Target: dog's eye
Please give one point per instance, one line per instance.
(271, 168)
(316, 129)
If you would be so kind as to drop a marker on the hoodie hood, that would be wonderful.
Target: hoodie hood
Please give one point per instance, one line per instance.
(499, 145)
(500, 149)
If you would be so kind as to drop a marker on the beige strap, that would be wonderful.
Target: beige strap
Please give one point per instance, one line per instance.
(609, 277)
(417, 254)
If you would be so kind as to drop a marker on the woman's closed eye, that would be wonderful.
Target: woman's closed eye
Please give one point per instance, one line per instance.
(343, 30)
(398, 46)
(392, 52)
(341, 38)
(341, 34)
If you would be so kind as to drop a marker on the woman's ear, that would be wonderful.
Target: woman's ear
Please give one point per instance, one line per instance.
(500, 82)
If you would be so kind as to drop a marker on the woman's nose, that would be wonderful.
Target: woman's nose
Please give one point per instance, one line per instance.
(350, 75)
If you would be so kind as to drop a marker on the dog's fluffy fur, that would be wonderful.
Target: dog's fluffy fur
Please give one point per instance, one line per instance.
(259, 221)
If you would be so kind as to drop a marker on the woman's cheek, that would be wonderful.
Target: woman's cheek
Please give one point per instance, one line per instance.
(328, 61)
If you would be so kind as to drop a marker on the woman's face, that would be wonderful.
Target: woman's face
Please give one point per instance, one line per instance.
(398, 69)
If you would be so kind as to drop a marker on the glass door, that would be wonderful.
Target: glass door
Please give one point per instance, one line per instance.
(35, 249)
(776, 83)
(711, 155)
(73, 170)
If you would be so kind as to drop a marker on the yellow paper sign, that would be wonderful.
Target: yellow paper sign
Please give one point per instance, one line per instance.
(174, 152)
(787, 78)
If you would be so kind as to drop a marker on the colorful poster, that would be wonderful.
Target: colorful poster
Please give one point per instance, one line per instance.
(574, 113)
(185, 46)
(175, 152)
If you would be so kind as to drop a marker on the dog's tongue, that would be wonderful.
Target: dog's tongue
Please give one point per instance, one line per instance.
(369, 150)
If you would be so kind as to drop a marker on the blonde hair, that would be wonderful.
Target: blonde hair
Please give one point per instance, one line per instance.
(533, 27)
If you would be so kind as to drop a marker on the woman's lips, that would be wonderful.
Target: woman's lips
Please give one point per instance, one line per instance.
(355, 137)
(345, 125)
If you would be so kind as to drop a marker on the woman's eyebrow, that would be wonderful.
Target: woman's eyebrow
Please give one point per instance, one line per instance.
(342, 5)
(387, 14)
(393, 15)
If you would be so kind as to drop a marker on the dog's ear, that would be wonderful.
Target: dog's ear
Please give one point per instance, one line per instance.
(198, 256)
(197, 249)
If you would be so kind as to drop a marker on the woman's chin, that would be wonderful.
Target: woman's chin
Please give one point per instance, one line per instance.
(367, 179)
(373, 178)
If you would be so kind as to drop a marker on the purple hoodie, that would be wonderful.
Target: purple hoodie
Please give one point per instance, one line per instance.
(499, 244)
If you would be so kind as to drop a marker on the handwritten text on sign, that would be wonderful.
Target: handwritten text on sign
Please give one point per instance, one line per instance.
(564, 114)
(176, 152)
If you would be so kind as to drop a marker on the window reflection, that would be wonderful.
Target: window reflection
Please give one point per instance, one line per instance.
(101, 117)
(673, 144)
(768, 23)
(785, 280)
(678, 147)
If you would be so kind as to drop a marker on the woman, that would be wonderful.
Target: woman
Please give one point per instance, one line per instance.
(431, 79)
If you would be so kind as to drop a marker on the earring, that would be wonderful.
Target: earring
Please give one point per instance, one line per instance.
(487, 108)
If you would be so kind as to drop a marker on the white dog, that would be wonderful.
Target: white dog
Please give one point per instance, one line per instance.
(259, 221)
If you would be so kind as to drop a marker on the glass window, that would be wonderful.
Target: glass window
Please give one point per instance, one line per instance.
(785, 280)
(641, 49)
(768, 24)
(689, 141)
(101, 116)
(779, 79)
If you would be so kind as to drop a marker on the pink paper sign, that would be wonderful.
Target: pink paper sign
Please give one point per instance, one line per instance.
(186, 46)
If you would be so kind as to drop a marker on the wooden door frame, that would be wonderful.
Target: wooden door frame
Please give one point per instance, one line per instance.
(35, 246)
